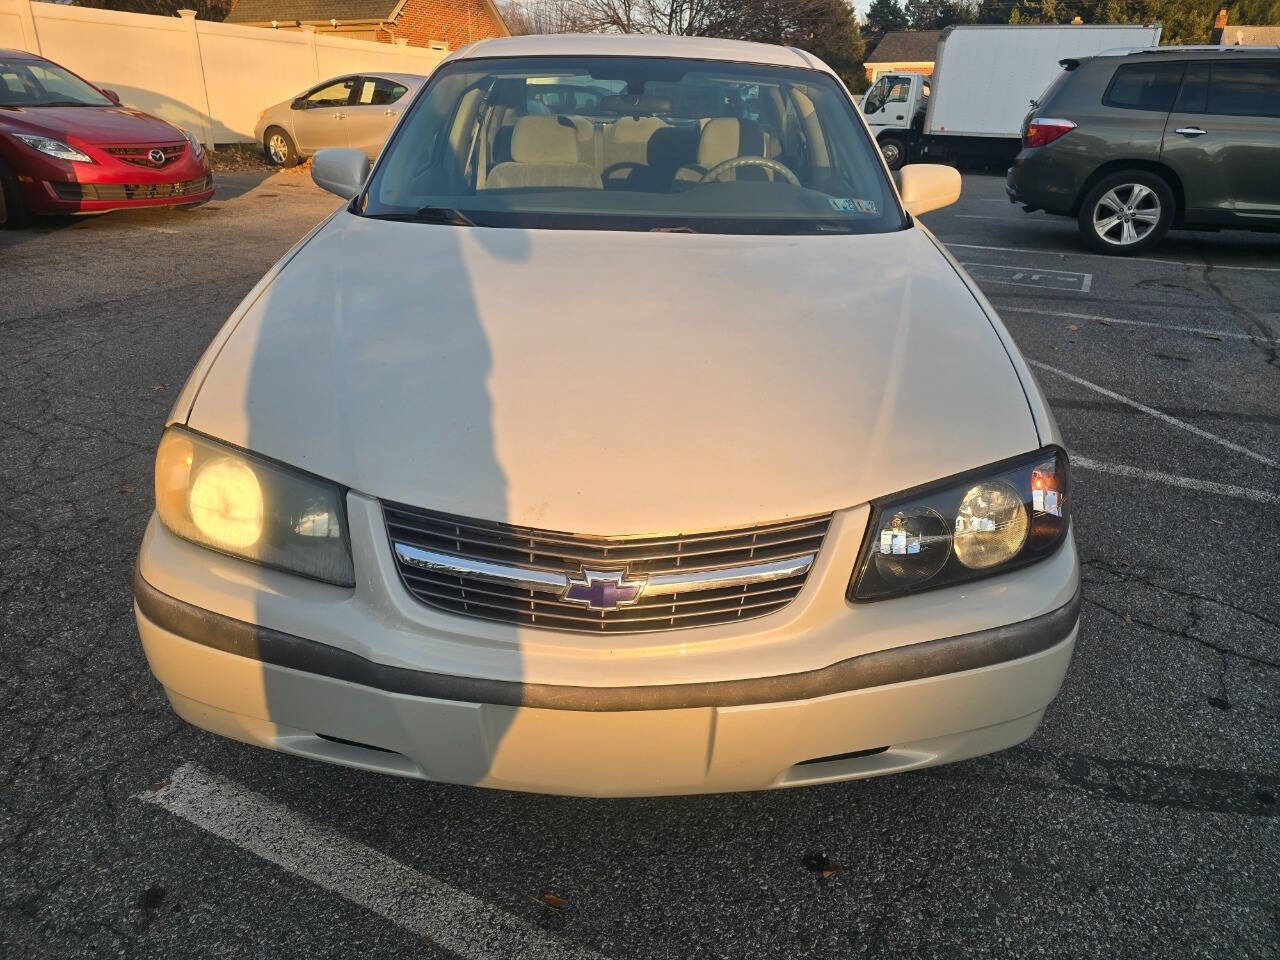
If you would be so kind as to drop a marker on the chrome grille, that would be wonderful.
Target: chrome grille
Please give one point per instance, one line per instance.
(142, 155)
(551, 556)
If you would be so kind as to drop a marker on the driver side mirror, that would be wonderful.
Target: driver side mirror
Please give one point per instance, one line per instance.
(927, 186)
(298, 104)
(111, 95)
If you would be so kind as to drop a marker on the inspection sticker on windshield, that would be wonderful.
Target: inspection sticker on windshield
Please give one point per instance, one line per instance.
(854, 205)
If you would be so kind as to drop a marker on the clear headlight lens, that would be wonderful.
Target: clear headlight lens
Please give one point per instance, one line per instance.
(988, 521)
(54, 148)
(232, 501)
(196, 148)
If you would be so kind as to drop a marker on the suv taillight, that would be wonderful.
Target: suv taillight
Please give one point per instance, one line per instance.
(1042, 131)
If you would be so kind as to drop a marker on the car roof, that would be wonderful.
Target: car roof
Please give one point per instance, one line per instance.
(19, 55)
(633, 45)
(1192, 51)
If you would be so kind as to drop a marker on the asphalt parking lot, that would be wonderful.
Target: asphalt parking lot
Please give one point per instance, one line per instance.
(1141, 820)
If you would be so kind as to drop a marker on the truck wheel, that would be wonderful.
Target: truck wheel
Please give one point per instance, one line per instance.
(280, 148)
(1126, 213)
(894, 150)
(13, 209)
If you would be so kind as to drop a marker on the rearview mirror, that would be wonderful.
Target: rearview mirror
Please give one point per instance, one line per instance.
(927, 186)
(341, 170)
(111, 95)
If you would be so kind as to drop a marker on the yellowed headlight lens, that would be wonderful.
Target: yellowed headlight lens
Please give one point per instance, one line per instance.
(991, 525)
(226, 503)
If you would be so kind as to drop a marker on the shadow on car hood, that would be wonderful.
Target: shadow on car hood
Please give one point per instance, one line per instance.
(613, 382)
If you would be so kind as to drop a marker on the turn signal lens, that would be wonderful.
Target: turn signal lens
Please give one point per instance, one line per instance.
(220, 497)
(983, 522)
(1041, 131)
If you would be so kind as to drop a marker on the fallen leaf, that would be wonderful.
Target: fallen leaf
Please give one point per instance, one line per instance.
(1212, 336)
(819, 864)
(1215, 520)
(551, 900)
(1128, 619)
(1073, 327)
(1106, 323)
(158, 785)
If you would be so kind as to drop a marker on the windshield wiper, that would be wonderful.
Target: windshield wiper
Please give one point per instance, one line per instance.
(443, 215)
(447, 215)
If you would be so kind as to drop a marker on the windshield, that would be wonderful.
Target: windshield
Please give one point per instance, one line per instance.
(629, 143)
(38, 83)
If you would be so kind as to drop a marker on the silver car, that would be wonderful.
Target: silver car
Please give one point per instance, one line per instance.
(352, 111)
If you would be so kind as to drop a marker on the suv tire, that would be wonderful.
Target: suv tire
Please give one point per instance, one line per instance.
(1126, 213)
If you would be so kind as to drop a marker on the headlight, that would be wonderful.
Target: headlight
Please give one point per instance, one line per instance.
(987, 521)
(232, 501)
(196, 148)
(54, 148)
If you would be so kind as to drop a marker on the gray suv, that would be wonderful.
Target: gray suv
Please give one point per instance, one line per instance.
(1132, 143)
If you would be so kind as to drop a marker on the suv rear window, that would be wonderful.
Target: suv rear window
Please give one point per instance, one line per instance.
(1144, 86)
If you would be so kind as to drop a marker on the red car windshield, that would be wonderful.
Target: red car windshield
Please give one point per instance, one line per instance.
(38, 83)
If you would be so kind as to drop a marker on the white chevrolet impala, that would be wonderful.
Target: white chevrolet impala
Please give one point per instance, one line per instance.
(624, 433)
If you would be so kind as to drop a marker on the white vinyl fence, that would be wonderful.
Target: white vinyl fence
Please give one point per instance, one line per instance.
(213, 79)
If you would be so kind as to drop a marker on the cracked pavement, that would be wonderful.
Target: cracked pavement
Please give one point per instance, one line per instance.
(1141, 819)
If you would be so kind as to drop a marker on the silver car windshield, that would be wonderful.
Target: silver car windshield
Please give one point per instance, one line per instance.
(630, 143)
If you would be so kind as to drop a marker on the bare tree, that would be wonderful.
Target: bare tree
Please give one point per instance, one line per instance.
(543, 16)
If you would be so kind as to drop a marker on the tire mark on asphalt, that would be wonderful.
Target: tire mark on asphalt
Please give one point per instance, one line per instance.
(423, 905)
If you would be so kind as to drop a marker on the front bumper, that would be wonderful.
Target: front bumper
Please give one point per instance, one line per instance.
(52, 186)
(553, 721)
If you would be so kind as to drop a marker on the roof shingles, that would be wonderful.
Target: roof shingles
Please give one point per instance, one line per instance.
(902, 46)
(264, 11)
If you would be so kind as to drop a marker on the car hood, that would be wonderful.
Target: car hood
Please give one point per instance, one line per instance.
(98, 126)
(617, 382)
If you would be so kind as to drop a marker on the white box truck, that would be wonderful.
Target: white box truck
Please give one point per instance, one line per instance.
(984, 79)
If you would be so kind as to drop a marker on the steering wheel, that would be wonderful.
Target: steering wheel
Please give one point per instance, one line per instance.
(733, 163)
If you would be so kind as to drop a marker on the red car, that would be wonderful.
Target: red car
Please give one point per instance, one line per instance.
(68, 147)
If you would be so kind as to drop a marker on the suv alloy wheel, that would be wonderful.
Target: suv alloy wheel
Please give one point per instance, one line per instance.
(1126, 213)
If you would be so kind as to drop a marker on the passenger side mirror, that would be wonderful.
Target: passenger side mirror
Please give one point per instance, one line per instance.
(927, 186)
(111, 95)
(341, 170)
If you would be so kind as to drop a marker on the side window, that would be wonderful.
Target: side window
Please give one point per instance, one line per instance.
(332, 95)
(1144, 86)
(874, 99)
(378, 92)
(1245, 89)
(1194, 97)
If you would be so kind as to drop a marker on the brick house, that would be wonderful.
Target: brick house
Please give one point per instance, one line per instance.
(903, 51)
(442, 24)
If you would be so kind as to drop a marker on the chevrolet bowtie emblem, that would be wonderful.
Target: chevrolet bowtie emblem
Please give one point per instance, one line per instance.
(603, 589)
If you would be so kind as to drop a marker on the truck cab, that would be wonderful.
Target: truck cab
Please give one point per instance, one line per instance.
(893, 106)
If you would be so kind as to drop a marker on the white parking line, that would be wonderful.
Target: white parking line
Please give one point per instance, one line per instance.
(1200, 331)
(1103, 256)
(420, 904)
(1187, 483)
(975, 216)
(1158, 414)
